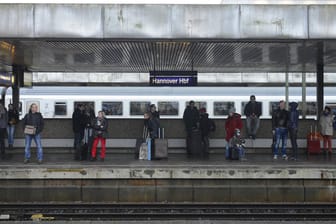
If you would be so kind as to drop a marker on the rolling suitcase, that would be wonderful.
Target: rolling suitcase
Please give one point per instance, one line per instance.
(313, 142)
(160, 146)
(196, 144)
(84, 151)
(141, 145)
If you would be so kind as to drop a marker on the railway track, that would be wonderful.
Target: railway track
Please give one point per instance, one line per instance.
(80, 211)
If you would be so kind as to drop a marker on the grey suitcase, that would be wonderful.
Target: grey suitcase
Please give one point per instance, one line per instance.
(160, 146)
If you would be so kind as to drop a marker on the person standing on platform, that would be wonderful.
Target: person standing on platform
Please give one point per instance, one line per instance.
(33, 125)
(293, 125)
(191, 121)
(233, 122)
(13, 119)
(3, 127)
(78, 129)
(154, 112)
(206, 125)
(280, 118)
(100, 126)
(252, 112)
(326, 124)
(88, 121)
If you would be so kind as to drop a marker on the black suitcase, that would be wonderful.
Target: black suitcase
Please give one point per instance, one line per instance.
(234, 153)
(196, 144)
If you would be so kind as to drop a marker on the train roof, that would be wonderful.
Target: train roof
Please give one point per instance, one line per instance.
(172, 91)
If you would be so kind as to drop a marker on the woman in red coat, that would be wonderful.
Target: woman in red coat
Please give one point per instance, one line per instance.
(234, 121)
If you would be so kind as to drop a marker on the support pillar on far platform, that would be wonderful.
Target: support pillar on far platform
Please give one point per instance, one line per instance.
(319, 79)
(18, 72)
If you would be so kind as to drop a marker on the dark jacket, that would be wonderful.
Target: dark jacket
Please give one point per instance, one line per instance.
(231, 124)
(78, 121)
(13, 117)
(156, 114)
(206, 124)
(88, 119)
(191, 118)
(293, 122)
(100, 127)
(34, 119)
(4, 119)
(252, 109)
(280, 118)
(153, 127)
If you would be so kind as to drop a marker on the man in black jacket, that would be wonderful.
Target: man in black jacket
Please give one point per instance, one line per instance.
(78, 128)
(191, 120)
(252, 111)
(280, 118)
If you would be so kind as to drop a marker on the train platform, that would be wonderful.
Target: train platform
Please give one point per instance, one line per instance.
(60, 163)
(123, 179)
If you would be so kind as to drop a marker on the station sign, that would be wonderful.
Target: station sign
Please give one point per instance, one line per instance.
(173, 78)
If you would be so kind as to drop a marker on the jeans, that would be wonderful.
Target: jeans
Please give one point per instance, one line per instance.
(280, 134)
(10, 133)
(37, 139)
(252, 125)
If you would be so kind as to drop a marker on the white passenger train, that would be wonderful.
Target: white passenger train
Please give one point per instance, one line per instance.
(132, 102)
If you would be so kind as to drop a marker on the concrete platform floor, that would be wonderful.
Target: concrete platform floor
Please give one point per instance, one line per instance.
(59, 157)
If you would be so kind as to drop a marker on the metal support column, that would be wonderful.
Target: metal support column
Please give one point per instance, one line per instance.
(304, 95)
(18, 72)
(319, 78)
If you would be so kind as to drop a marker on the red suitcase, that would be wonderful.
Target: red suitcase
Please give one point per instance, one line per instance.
(313, 142)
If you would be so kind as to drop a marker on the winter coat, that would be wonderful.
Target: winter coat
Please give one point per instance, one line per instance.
(100, 127)
(293, 122)
(326, 124)
(206, 125)
(88, 119)
(78, 121)
(13, 117)
(153, 127)
(34, 119)
(3, 120)
(191, 118)
(252, 108)
(231, 124)
(280, 119)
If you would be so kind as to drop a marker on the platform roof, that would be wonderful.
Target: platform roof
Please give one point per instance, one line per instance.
(142, 38)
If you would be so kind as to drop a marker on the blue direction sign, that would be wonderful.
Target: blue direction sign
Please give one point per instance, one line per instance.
(173, 78)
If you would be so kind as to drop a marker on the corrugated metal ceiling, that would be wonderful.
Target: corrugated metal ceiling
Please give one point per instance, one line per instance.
(173, 55)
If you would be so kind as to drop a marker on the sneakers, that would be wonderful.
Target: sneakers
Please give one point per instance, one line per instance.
(93, 159)
(275, 157)
(285, 157)
(39, 161)
(25, 161)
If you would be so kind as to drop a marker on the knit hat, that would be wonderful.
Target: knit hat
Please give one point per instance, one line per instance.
(232, 110)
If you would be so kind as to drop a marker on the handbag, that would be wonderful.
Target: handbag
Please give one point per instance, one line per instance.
(30, 130)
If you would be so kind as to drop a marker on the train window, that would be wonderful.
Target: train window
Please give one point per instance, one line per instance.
(222, 108)
(29, 103)
(88, 105)
(112, 108)
(243, 105)
(168, 108)
(198, 104)
(60, 108)
(139, 107)
(311, 108)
